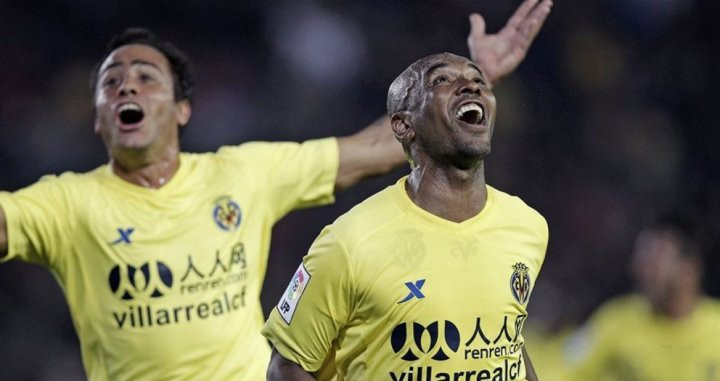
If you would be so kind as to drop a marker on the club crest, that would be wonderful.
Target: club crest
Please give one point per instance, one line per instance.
(226, 213)
(520, 283)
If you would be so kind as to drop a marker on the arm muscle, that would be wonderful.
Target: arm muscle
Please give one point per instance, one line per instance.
(372, 151)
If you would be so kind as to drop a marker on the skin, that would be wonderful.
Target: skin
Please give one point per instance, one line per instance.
(446, 170)
(149, 157)
(669, 280)
(448, 154)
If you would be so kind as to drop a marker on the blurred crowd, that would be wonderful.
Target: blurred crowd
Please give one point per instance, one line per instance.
(612, 116)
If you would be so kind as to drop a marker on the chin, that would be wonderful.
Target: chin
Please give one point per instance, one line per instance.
(480, 151)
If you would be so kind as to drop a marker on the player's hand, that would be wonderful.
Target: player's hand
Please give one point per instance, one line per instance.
(499, 54)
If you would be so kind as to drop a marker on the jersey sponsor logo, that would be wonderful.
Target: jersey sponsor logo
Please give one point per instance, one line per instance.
(414, 290)
(520, 283)
(421, 344)
(226, 213)
(414, 339)
(124, 236)
(218, 279)
(289, 301)
(152, 279)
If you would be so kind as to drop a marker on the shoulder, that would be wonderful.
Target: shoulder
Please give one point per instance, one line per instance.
(710, 307)
(619, 310)
(515, 209)
(366, 219)
(257, 149)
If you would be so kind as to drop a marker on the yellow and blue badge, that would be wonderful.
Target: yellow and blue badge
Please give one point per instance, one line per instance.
(226, 213)
(520, 282)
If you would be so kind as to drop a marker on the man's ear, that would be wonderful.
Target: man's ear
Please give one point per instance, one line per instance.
(183, 110)
(402, 127)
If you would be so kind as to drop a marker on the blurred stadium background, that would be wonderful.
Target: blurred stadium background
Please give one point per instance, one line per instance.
(613, 114)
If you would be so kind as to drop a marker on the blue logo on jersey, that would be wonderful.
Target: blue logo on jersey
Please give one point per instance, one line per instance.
(414, 290)
(124, 236)
(416, 339)
(152, 279)
(226, 213)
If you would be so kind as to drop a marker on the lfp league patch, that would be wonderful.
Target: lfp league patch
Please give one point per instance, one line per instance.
(291, 297)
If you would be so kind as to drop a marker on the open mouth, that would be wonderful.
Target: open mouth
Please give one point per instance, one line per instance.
(130, 113)
(471, 113)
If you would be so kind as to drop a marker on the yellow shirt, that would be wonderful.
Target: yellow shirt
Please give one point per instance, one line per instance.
(392, 292)
(626, 341)
(164, 284)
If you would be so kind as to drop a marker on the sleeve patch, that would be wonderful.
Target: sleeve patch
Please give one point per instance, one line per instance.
(290, 299)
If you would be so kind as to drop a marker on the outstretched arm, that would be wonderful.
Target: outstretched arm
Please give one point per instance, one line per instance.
(499, 54)
(372, 151)
(281, 369)
(3, 235)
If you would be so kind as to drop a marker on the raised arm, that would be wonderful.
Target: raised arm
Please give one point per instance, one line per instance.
(499, 54)
(281, 369)
(3, 235)
(372, 151)
(375, 151)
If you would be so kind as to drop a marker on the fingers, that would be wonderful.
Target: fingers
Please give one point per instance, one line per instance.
(531, 26)
(520, 14)
(477, 25)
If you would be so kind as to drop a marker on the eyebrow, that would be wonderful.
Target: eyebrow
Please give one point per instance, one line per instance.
(472, 65)
(435, 67)
(133, 62)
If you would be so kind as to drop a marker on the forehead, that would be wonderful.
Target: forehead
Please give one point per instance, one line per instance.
(657, 243)
(128, 55)
(452, 62)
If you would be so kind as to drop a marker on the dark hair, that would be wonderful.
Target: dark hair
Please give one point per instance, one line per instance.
(404, 93)
(180, 66)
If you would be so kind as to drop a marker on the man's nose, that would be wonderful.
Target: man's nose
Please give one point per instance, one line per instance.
(468, 86)
(128, 87)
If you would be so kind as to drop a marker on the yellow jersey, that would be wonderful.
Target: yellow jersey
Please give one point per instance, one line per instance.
(390, 291)
(164, 284)
(626, 341)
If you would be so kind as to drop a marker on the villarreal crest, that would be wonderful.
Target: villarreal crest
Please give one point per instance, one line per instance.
(226, 213)
(520, 282)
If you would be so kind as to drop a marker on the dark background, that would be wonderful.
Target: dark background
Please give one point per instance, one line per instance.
(612, 115)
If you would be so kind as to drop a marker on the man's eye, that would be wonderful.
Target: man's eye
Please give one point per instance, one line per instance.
(110, 82)
(479, 80)
(440, 79)
(146, 77)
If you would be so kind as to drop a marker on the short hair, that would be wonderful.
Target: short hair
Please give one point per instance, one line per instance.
(180, 65)
(685, 227)
(405, 91)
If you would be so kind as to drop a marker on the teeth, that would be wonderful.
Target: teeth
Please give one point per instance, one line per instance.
(129, 106)
(470, 107)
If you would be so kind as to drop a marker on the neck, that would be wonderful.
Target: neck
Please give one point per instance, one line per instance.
(146, 169)
(448, 192)
(679, 306)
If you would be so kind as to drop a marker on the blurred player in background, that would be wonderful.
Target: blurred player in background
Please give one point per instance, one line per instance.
(161, 254)
(428, 279)
(669, 330)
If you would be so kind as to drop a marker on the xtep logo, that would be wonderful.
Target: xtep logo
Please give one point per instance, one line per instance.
(414, 290)
(151, 279)
(425, 339)
(124, 236)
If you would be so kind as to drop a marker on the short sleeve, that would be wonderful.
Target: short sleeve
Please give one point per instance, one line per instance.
(291, 175)
(37, 220)
(316, 305)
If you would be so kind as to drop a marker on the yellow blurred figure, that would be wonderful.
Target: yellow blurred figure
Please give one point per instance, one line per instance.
(667, 331)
